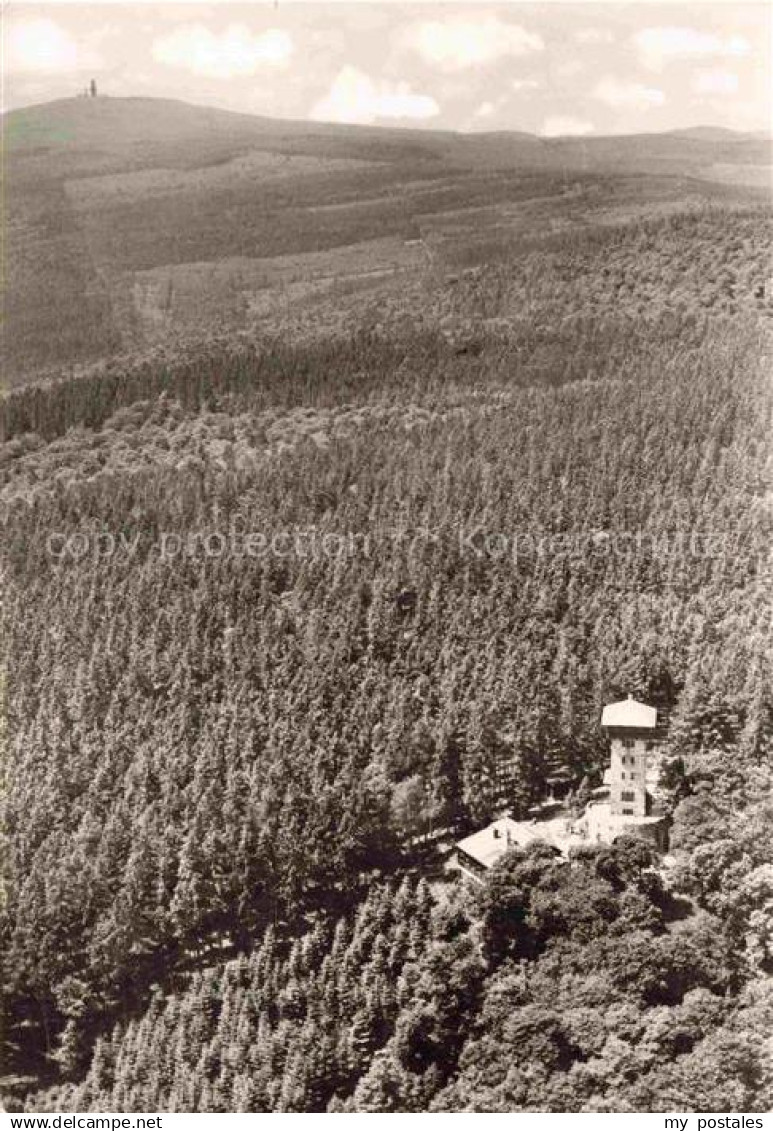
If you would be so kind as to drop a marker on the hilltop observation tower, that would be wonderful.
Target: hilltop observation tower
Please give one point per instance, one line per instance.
(624, 804)
(632, 778)
(631, 728)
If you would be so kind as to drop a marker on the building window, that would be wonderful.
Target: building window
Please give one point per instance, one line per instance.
(627, 812)
(628, 743)
(627, 795)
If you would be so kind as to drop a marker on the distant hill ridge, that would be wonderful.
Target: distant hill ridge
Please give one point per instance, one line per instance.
(120, 122)
(133, 222)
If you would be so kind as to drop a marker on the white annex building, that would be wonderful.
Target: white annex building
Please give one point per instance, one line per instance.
(624, 804)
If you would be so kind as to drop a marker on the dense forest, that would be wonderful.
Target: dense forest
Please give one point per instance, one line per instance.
(282, 619)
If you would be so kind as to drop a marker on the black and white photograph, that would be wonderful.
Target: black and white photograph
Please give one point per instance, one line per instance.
(386, 562)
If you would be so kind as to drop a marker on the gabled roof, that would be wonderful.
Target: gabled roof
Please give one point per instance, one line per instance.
(629, 713)
(487, 845)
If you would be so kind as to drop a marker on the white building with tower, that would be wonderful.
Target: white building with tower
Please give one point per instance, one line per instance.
(625, 804)
(631, 727)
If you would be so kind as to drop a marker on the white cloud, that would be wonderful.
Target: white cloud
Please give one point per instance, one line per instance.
(660, 45)
(567, 69)
(235, 51)
(485, 110)
(458, 43)
(560, 125)
(715, 82)
(628, 95)
(355, 97)
(524, 84)
(41, 46)
(594, 35)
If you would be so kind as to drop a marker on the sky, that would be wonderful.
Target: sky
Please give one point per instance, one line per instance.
(552, 69)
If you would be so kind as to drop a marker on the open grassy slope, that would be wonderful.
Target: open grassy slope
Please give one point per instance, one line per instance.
(134, 221)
